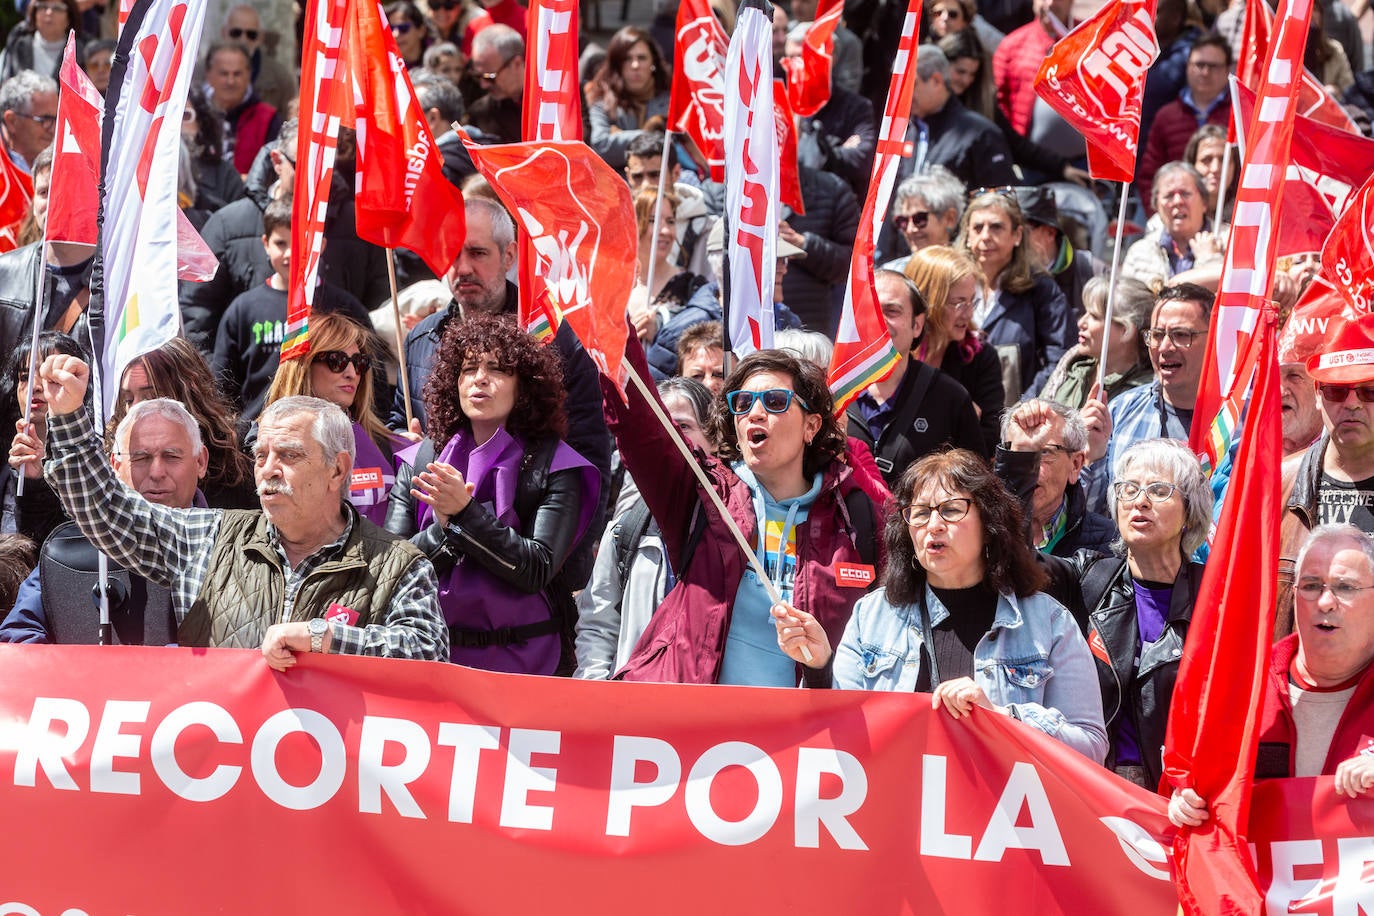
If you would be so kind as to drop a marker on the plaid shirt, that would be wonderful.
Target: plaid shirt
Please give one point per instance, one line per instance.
(172, 547)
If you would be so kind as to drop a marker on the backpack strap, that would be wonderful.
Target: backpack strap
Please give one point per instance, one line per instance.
(628, 532)
(861, 516)
(905, 415)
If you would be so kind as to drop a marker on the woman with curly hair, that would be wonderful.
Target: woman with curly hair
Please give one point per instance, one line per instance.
(961, 614)
(630, 88)
(338, 369)
(780, 471)
(496, 499)
(176, 370)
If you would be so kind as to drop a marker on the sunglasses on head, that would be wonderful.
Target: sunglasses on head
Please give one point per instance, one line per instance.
(775, 400)
(337, 361)
(1338, 393)
(445, 4)
(916, 220)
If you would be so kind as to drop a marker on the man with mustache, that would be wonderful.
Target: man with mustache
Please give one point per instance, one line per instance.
(305, 573)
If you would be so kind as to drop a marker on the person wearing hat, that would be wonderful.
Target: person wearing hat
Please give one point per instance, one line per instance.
(1070, 268)
(1332, 482)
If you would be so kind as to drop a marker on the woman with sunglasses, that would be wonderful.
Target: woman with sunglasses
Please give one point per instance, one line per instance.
(458, 21)
(37, 43)
(338, 369)
(961, 614)
(780, 472)
(411, 30)
(1022, 311)
(1141, 601)
(496, 499)
(950, 280)
(630, 88)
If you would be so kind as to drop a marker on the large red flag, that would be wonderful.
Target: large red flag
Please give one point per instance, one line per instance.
(1213, 721)
(74, 190)
(1327, 167)
(1248, 269)
(697, 103)
(403, 199)
(1305, 330)
(1348, 257)
(326, 104)
(16, 193)
(808, 76)
(863, 347)
(1095, 77)
(789, 181)
(577, 212)
(1313, 100)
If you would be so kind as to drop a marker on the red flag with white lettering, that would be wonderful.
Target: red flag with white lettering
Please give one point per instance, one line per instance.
(789, 181)
(1348, 257)
(403, 199)
(326, 104)
(1318, 306)
(74, 189)
(808, 76)
(577, 212)
(697, 103)
(1314, 101)
(1095, 77)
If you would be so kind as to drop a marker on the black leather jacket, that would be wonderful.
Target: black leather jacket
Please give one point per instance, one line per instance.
(1141, 691)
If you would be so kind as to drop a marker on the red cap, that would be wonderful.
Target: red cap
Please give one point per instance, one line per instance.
(1346, 356)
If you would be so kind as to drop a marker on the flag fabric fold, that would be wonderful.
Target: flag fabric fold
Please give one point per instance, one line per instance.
(577, 212)
(74, 185)
(808, 76)
(1095, 77)
(863, 352)
(789, 179)
(751, 182)
(1348, 255)
(140, 154)
(403, 199)
(696, 104)
(16, 193)
(1314, 101)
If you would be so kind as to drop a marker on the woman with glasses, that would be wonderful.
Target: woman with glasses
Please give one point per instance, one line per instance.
(496, 499)
(1179, 245)
(1128, 355)
(411, 30)
(780, 472)
(1140, 602)
(630, 88)
(961, 614)
(949, 280)
(1022, 311)
(38, 42)
(338, 369)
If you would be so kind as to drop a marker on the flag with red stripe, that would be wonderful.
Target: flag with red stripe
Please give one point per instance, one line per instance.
(808, 76)
(74, 188)
(863, 351)
(1314, 101)
(1095, 77)
(697, 103)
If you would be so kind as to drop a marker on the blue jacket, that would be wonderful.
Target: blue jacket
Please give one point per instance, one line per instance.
(1034, 660)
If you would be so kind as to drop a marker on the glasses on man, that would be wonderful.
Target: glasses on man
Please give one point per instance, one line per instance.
(1206, 66)
(237, 34)
(1182, 338)
(47, 122)
(775, 400)
(337, 361)
(951, 510)
(1053, 451)
(1337, 394)
(1128, 491)
(1343, 592)
(491, 77)
(917, 220)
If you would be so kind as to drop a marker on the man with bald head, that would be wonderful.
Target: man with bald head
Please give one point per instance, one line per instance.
(272, 82)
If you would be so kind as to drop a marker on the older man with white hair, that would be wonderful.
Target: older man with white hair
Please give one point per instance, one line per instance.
(306, 573)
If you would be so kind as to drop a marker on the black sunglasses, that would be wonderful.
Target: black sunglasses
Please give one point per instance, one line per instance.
(236, 34)
(445, 4)
(338, 360)
(918, 220)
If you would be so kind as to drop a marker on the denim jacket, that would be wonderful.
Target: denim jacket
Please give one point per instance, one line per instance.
(1034, 661)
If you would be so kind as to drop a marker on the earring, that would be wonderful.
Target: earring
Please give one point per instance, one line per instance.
(914, 564)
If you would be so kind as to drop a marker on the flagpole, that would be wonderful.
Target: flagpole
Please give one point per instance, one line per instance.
(663, 170)
(400, 339)
(727, 361)
(1221, 186)
(1111, 288)
(707, 487)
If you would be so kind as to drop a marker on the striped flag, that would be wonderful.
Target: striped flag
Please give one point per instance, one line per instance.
(150, 77)
(863, 349)
(552, 111)
(1248, 269)
(326, 104)
(697, 103)
(751, 181)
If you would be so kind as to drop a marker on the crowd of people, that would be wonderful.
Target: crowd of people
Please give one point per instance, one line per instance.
(1011, 520)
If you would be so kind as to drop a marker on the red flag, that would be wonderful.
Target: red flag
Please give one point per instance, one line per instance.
(1348, 257)
(581, 224)
(1328, 166)
(1305, 330)
(74, 190)
(808, 76)
(1211, 739)
(403, 199)
(1313, 100)
(789, 182)
(697, 103)
(1095, 77)
(863, 351)
(16, 193)
(325, 105)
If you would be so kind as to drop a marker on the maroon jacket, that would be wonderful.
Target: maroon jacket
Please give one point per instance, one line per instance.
(685, 640)
(1278, 734)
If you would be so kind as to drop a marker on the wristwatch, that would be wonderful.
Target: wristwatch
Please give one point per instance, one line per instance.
(317, 626)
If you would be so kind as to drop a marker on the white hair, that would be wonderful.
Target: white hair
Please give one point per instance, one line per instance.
(166, 408)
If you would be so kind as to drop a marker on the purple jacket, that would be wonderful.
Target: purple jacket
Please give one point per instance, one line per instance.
(685, 639)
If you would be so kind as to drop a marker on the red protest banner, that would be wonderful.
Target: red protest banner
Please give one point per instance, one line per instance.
(184, 781)
(1314, 849)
